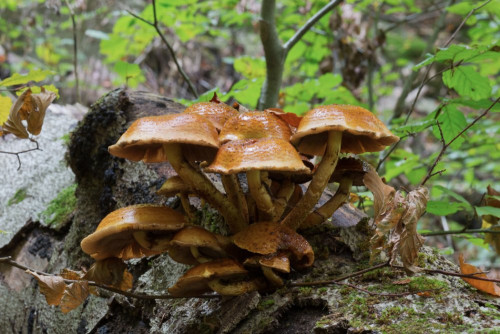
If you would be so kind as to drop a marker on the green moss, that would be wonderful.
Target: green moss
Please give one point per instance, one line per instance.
(60, 208)
(385, 274)
(66, 138)
(18, 197)
(265, 304)
(322, 290)
(424, 283)
(210, 219)
(306, 290)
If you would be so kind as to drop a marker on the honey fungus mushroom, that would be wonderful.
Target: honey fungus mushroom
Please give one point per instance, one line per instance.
(133, 231)
(217, 113)
(180, 139)
(225, 276)
(327, 131)
(253, 156)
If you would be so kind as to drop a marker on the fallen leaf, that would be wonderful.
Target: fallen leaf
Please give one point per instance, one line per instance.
(402, 282)
(52, 287)
(14, 123)
(71, 274)
(485, 286)
(289, 117)
(110, 271)
(215, 98)
(74, 295)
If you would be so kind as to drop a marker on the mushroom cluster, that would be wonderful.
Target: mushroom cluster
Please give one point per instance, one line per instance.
(262, 159)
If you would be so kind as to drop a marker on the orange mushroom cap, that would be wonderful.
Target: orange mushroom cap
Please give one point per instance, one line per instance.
(268, 238)
(253, 125)
(217, 113)
(114, 237)
(362, 130)
(270, 154)
(144, 139)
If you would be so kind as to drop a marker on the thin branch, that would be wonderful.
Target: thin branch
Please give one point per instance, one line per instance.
(381, 294)
(463, 231)
(308, 25)
(37, 148)
(450, 273)
(8, 260)
(155, 24)
(446, 145)
(75, 51)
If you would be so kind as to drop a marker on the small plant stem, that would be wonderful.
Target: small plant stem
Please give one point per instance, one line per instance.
(75, 51)
(466, 231)
(446, 145)
(156, 26)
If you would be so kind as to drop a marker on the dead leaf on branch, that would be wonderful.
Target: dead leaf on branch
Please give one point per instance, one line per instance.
(30, 108)
(396, 218)
(74, 295)
(111, 271)
(485, 286)
(52, 287)
(490, 221)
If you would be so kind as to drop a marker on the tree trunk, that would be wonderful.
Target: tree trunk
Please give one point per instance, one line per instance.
(106, 183)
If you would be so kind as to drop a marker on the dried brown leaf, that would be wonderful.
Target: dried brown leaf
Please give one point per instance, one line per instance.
(71, 274)
(37, 115)
(110, 271)
(290, 118)
(382, 193)
(74, 295)
(215, 98)
(14, 123)
(52, 287)
(485, 286)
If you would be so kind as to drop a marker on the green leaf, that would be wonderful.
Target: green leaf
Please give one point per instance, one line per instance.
(479, 104)
(430, 59)
(488, 210)
(443, 208)
(250, 67)
(413, 127)
(19, 79)
(467, 82)
(453, 194)
(452, 121)
(131, 74)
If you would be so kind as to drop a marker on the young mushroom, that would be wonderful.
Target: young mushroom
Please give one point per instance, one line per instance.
(253, 156)
(225, 276)
(270, 265)
(134, 231)
(180, 139)
(193, 245)
(327, 131)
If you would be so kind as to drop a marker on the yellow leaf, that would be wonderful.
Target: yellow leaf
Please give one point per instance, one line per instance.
(485, 286)
(52, 287)
(74, 295)
(5, 105)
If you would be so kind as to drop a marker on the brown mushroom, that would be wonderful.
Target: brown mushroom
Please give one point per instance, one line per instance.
(269, 265)
(193, 245)
(133, 231)
(328, 130)
(254, 125)
(217, 113)
(253, 156)
(178, 137)
(349, 171)
(225, 276)
(270, 238)
(175, 186)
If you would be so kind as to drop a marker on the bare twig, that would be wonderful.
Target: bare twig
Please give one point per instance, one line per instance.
(75, 51)
(446, 145)
(156, 25)
(450, 273)
(381, 294)
(8, 260)
(37, 148)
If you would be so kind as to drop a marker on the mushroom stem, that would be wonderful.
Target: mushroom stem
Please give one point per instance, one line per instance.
(235, 193)
(188, 210)
(153, 243)
(197, 255)
(326, 210)
(272, 277)
(282, 197)
(204, 187)
(235, 288)
(260, 194)
(318, 183)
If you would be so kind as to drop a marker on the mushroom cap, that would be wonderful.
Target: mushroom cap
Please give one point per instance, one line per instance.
(269, 154)
(217, 113)
(194, 236)
(114, 235)
(362, 130)
(253, 125)
(144, 139)
(195, 280)
(267, 238)
(174, 185)
(279, 262)
(351, 167)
